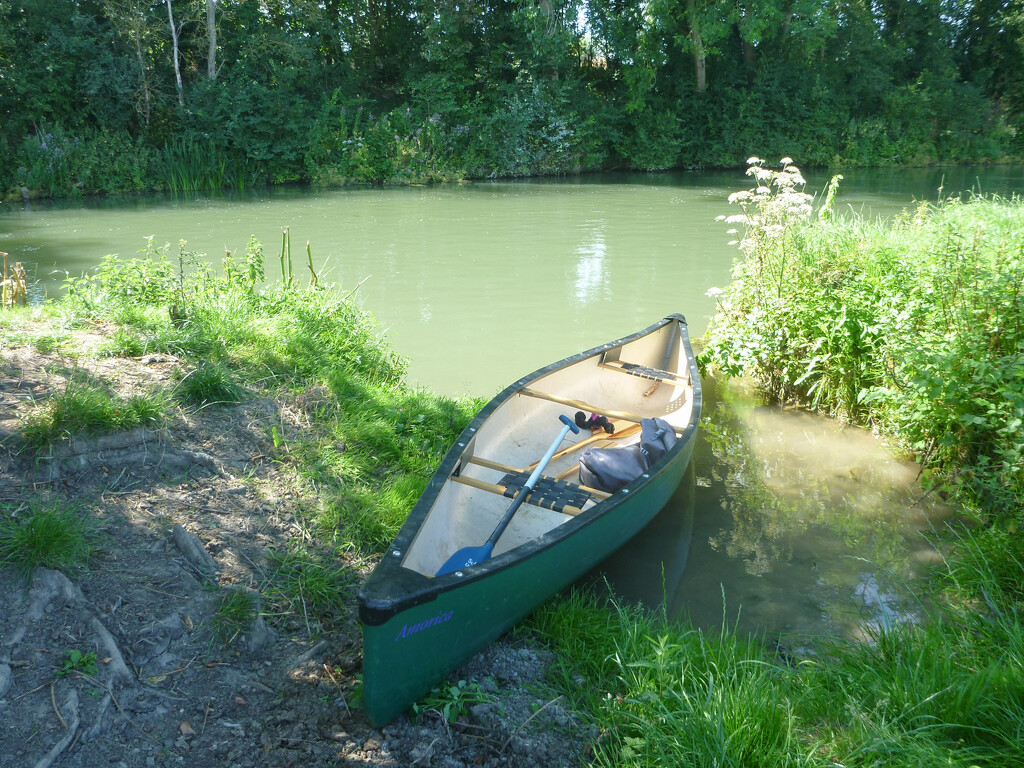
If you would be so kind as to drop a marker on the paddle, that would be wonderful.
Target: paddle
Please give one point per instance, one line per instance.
(468, 556)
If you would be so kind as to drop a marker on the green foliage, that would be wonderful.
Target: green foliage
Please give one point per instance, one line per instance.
(451, 701)
(76, 661)
(57, 163)
(235, 613)
(86, 409)
(916, 327)
(422, 91)
(44, 535)
(208, 383)
(349, 145)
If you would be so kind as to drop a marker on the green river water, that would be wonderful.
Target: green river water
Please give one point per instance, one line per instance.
(788, 523)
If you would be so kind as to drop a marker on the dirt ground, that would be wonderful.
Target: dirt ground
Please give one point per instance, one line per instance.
(184, 513)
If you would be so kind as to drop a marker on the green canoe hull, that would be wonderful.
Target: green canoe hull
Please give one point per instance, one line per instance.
(418, 629)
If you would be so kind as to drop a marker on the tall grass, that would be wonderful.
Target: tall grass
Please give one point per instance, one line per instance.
(946, 692)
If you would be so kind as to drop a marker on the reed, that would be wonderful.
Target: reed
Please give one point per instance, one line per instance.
(185, 166)
(14, 286)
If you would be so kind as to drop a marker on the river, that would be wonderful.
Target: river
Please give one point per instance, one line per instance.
(788, 524)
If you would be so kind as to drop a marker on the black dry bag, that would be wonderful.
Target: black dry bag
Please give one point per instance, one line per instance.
(609, 469)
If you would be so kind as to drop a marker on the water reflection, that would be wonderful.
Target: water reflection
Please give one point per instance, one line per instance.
(796, 525)
(591, 282)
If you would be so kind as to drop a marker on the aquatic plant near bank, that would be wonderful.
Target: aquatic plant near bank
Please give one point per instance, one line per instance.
(915, 326)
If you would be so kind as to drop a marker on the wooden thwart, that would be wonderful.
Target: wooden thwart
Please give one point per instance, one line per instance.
(632, 369)
(585, 406)
(500, 490)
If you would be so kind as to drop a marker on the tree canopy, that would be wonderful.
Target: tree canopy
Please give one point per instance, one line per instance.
(390, 90)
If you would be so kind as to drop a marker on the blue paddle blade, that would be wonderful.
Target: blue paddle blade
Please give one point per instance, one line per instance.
(466, 557)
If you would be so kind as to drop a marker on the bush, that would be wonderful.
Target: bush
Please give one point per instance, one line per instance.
(56, 163)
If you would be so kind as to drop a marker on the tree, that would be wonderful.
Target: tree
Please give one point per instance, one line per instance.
(129, 18)
(175, 54)
(211, 34)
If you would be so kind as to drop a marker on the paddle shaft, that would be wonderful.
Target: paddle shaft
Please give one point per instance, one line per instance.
(468, 556)
(530, 483)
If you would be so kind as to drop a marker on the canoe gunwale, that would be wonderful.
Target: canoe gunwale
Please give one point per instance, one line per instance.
(392, 588)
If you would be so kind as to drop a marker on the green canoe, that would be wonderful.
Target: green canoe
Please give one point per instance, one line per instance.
(419, 626)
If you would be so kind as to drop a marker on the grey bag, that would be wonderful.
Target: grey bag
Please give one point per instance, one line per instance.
(609, 469)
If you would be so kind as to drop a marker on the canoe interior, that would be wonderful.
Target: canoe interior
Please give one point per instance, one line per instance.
(520, 429)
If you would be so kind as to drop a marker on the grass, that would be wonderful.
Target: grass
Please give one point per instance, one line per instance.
(208, 383)
(123, 343)
(305, 581)
(948, 691)
(45, 536)
(86, 409)
(236, 611)
(370, 444)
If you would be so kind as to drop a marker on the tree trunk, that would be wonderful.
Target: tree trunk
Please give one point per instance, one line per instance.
(211, 31)
(699, 54)
(177, 64)
(147, 109)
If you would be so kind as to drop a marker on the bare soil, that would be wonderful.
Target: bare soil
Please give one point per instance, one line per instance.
(182, 514)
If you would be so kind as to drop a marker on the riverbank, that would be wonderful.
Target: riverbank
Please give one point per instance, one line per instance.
(195, 479)
(273, 426)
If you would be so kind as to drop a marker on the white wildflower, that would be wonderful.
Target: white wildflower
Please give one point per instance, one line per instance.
(755, 160)
(740, 197)
(763, 191)
(786, 161)
(714, 293)
(737, 218)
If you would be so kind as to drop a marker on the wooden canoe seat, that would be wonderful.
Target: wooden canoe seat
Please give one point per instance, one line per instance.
(550, 492)
(644, 372)
(506, 468)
